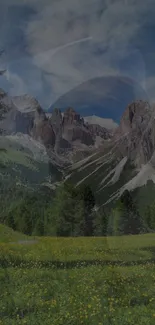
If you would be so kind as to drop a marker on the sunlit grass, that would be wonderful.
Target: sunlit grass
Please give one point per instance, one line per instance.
(131, 248)
(14, 156)
(118, 290)
(8, 235)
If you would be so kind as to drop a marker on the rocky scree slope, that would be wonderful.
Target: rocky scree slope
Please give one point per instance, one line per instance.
(127, 161)
(28, 138)
(63, 137)
(76, 139)
(62, 133)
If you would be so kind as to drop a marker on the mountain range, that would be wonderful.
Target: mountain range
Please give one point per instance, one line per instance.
(105, 96)
(47, 148)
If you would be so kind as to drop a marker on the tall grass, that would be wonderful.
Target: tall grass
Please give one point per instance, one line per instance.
(62, 281)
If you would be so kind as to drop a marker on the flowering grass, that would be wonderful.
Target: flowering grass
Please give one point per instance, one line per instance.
(72, 281)
(8, 235)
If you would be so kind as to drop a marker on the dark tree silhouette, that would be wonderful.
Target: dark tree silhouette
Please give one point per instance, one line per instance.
(87, 196)
(126, 199)
(130, 220)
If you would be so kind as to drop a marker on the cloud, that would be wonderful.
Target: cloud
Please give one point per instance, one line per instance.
(59, 44)
(112, 27)
(150, 88)
(17, 85)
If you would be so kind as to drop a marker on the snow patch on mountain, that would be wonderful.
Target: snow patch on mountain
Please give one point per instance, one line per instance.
(116, 173)
(118, 170)
(37, 149)
(147, 173)
(81, 162)
(106, 123)
(101, 161)
(105, 178)
(25, 103)
(94, 171)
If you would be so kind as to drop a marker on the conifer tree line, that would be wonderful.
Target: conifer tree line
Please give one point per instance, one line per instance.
(71, 211)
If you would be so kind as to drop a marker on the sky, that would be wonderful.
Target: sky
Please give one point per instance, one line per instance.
(52, 47)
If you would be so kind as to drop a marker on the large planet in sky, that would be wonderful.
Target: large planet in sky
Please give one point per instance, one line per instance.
(106, 97)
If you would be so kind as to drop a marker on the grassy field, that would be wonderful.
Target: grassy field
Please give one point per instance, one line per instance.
(72, 281)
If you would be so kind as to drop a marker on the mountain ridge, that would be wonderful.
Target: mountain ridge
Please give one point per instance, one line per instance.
(129, 161)
(109, 160)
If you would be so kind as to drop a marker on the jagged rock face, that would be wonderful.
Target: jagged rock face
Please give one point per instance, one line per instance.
(73, 128)
(27, 117)
(12, 120)
(24, 122)
(72, 133)
(70, 117)
(44, 133)
(42, 129)
(15, 122)
(99, 131)
(135, 135)
(68, 129)
(135, 118)
(26, 103)
(77, 133)
(63, 133)
(56, 120)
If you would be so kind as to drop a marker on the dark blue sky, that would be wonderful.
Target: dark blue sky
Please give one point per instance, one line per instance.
(91, 96)
(57, 50)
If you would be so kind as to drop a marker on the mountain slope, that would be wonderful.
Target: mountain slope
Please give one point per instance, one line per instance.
(105, 171)
(25, 161)
(75, 139)
(65, 134)
(26, 103)
(127, 161)
(40, 149)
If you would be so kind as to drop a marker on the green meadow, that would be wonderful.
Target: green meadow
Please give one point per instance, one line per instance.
(73, 281)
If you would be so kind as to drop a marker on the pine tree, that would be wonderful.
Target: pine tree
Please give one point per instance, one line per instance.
(100, 218)
(63, 210)
(149, 217)
(86, 195)
(133, 223)
(127, 219)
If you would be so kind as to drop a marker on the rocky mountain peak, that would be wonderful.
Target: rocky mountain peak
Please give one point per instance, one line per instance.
(26, 103)
(24, 114)
(71, 116)
(56, 117)
(72, 132)
(56, 111)
(56, 120)
(42, 128)
(135, 117)
(43, 132)
(2, 93)
(135, 134)
(40, 115)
